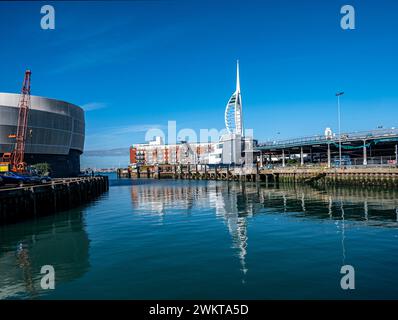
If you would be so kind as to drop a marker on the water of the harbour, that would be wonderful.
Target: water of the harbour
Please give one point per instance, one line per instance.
(153, 239)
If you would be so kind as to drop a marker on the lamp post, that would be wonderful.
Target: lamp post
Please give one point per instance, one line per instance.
(396, 155)
(338, 95)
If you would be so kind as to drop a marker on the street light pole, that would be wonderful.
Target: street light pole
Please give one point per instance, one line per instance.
(396, 155)
(338, 95)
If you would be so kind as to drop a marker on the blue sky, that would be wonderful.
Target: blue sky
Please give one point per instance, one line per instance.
(137, 64)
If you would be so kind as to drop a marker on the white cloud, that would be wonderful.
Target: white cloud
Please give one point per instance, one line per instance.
(94, 106)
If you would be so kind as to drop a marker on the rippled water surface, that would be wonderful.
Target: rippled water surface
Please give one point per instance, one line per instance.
(198, 239)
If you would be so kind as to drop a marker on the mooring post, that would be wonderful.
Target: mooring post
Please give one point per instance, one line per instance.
(68, 193)
(54, 197)
(301, 156)
(329, 157)
(33, 198)
(257, 172)
(365, 159)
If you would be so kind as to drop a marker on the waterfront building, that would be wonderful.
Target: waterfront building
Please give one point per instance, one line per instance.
(156, 152)
(55, 135)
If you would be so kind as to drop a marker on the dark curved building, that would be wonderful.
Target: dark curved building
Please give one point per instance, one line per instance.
(56, 131)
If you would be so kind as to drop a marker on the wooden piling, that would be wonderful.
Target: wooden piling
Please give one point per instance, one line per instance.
(18, 204)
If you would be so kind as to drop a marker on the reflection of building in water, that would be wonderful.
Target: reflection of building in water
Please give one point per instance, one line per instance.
(59, 241)
(235, 203)
(156, 198)
(228, 199)
(371, 206)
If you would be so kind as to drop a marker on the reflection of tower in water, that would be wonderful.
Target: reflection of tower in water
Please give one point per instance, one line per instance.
(228, 200)
(233, 203)
(237, 228)
(233, 207)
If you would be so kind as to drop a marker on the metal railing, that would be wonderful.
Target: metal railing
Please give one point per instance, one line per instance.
(53, 182)
(316, 139)
(381, 161)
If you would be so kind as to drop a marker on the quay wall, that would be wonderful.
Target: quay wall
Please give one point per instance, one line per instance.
(387, 177)
(22, 203)
(364, 176)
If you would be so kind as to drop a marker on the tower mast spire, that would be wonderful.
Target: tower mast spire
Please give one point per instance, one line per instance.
(233, 110)
(238, 104)
(237, 77)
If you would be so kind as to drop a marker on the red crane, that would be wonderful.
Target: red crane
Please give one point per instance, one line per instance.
(16, 158)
